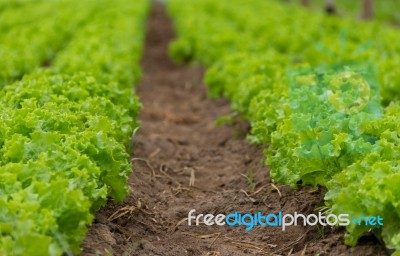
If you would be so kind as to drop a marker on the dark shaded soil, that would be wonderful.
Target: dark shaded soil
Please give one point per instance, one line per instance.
(184, 161)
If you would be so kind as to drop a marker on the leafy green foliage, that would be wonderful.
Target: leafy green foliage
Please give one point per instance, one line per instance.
(248, 59)
(386, 11)
(370, 186)
(32, 34)
(64, 131)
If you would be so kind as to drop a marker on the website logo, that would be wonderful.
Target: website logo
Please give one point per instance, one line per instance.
(249, 221)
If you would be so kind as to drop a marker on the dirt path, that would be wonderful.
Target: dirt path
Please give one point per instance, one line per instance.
(183, 161)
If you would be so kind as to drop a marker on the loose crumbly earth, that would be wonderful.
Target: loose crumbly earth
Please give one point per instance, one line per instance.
(184, 161)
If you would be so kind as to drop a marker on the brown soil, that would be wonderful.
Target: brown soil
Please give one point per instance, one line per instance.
(184, 161)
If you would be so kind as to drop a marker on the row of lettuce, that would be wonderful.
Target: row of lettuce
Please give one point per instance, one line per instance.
(265, 57)
(64, 129)
(33, 31)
